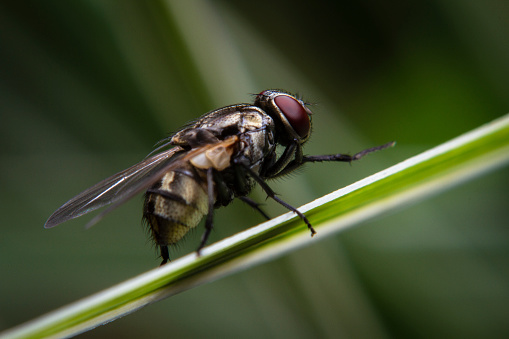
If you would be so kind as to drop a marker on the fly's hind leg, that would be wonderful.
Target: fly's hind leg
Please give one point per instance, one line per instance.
(164, 254)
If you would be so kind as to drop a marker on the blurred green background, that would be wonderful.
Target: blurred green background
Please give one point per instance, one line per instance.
(87, 87)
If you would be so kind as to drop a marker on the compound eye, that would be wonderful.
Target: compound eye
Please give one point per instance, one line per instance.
(295, 113)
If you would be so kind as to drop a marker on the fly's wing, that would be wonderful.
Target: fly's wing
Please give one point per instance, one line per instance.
(116, 189)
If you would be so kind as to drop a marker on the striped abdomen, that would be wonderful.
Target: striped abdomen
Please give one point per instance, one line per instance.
(174, 205)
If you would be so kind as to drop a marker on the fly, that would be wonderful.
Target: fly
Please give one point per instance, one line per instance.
(217, 158)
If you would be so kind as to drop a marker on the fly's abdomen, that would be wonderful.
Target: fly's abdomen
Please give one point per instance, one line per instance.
(174, 205)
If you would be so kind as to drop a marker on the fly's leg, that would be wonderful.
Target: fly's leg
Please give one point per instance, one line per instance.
(270, 193)
(242, 186)
(289, 155)
(301, 160)
(210, 215)
(254, 205)
(345, 157)
(223, 194)
(164, 254)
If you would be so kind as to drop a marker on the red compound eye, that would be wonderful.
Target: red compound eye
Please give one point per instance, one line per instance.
(295, 113)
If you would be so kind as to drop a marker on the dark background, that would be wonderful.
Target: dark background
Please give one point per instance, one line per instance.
(87, 87)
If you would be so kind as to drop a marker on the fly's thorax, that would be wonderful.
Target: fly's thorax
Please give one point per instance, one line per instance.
(174, 205)
(220, 124)
(257, 145)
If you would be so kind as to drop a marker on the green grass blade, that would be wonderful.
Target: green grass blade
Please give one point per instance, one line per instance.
(431, 172)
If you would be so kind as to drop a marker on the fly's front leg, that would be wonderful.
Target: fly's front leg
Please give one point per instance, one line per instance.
(298, 160)
(210, 215)
(287, 157)
(345, 157)
(301, 160)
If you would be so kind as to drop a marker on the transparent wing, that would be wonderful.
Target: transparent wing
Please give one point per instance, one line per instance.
(116, 189)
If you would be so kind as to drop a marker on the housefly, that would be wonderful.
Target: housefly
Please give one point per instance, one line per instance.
(213, 160)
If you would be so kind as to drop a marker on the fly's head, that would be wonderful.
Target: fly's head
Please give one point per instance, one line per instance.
(290, 114)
